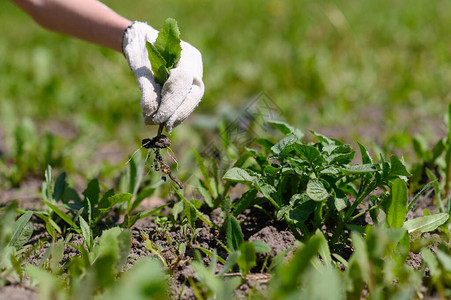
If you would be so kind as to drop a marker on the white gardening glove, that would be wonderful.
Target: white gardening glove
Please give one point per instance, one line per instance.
(183, 90)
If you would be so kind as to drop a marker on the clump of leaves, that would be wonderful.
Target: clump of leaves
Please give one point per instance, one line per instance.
(163, 55)
(14, 234)
(314, 184)
(95, 272)
(94, 210)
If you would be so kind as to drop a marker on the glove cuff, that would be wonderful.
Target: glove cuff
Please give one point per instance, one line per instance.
(135, 30)
(123, 36)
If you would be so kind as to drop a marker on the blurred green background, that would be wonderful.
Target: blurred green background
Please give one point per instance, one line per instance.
(375, 71)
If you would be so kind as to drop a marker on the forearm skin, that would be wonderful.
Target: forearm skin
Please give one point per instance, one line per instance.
(89, 20)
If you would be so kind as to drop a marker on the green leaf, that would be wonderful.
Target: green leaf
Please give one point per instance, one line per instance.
(168, 42)
(238, 175)
(310, 153)
(50, 286)
(342, 154)
(261, 247)
(108, 203)
(426, 223)
(283, 211)
(358, 169)
(92, 191)
(124, 241)
(22, 231)
(323, 250)
(397, 167)
(340, 204)
(283, 143)
(366, 158)
(432, 263)
(86, 233)
(247, 259)
(444, 259)
(397, 210)
(316, 190)
(266, 190)
(56, 256)
(60, 186)
(247, 200)
(158, 64)
(234, 235)
(60, 213)
(286, 129)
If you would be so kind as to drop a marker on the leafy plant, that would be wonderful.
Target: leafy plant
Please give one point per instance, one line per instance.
(166, 50)
(314, 184)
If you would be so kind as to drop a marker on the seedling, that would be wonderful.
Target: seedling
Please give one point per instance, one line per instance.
(163, 55)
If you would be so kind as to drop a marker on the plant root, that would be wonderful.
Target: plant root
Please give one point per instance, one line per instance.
(160, 142)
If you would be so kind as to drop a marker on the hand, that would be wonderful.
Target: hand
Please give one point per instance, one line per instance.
(181, 93)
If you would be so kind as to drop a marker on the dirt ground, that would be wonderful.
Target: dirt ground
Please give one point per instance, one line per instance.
(255, 226)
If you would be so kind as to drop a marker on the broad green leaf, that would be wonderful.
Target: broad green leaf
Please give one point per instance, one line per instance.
(265, 189)
(310, 153)
(247, 200)
(316, 190)
(282, 211)
(267, 144)
(341, 155)
(426, 223)
(23, 229)
(158, 64)
(60, 185)
(397, 167)
(92, 192)
(168, 42)
(234, 236)
(238, 175)
(115, 199)
(283, 143)
(331, 171)
(397, 210)
(358, 169)
(303, 211)
(366, 158)
(247, 259)
(286, 129)
(260, 246)
(340, 204)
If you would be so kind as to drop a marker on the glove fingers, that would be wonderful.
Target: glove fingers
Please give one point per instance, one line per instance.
(150, 99)
(173, 93)
(187, 107)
